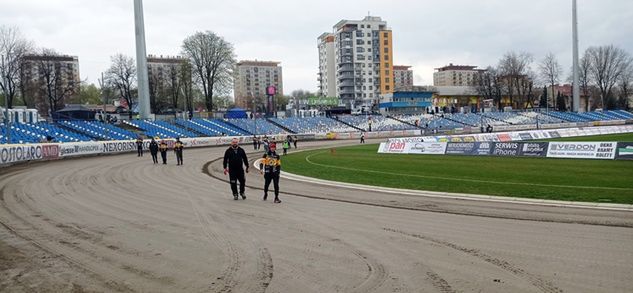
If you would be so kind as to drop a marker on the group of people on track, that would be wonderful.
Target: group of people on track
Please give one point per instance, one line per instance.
(235, 162)
(162, 147)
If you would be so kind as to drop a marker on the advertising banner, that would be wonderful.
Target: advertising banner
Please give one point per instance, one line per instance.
(469, 148)
(19, 153)
(582, 150)
(553, 134)
(50, 151)
(397, 147)
(506, 149)
(80, 148)
(525, 136)
(625, 151)
(533, 149)
(428, 148)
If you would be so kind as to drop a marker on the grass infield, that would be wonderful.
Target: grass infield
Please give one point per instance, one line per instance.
(544, 178)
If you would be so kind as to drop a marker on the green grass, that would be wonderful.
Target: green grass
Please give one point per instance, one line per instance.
(607, 137)
(558, 179)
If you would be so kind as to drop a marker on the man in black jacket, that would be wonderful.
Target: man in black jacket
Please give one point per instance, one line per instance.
(139, 146)
(153, 149)
(235, 159)
(270, 166)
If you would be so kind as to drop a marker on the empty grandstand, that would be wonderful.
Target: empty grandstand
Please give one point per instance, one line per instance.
(256, 126)
(87, 130)
(313, 125)
(378, 123)
(38, 132)
(99, 130)
(160, 129)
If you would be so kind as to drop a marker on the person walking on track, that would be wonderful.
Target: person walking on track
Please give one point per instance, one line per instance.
(286, 146)
(233, 164)
(178, 147)
(270, 167)
(362, 137)
(139, 146)
(163, 151)
(153, 149)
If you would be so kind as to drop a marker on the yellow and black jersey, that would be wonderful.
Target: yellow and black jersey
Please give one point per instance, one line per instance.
(178, 146)
(162, 147)
(270, 163)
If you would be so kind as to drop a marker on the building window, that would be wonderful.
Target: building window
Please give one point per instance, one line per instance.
(386, 57)
(386, 43)
(387, 87)
(386, 64)
(387, 80)
(385, 34)
(387, 72)
(386, 50)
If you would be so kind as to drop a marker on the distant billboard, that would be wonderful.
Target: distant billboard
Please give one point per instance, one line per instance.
(322, 101)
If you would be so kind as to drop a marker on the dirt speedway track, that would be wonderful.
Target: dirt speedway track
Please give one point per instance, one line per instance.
(120, 223)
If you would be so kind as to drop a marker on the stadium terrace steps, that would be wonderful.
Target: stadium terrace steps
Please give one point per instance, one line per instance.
(280, 126)
(350, 125)
(404, 122)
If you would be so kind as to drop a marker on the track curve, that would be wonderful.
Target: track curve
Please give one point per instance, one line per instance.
(120, 223)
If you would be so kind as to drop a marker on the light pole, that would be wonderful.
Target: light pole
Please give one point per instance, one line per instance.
(7, 122)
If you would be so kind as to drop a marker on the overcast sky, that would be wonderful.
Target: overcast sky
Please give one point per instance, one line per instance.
(427, 34)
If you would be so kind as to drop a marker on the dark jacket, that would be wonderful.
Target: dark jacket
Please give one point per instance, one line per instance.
(153, 147)
(235, 159)
(271, 163)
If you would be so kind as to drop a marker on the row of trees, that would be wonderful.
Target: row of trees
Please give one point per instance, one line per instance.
(605, 79)
(205, 73)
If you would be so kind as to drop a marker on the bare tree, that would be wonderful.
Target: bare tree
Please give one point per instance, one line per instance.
(13, 47)
(58, 81)
(213, 60)
(122, 76)
(489, 85)
(186, 87)
(625, 82)
(607, 65)
(514, 68)
(174, 84)
(584, 79)
(550, 71)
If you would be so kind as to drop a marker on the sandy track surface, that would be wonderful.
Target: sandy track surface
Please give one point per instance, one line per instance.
(120, 223)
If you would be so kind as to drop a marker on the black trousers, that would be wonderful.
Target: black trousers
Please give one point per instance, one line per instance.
(164, 156)
(179, 157)
(274, 177)
(234, 177)
(155, 157)
(139, 150)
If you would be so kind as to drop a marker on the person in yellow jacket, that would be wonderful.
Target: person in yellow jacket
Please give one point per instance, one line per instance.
(270, 167)
(178, 146)
(162, 147)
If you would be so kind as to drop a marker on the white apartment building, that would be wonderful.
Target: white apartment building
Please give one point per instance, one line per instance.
(363, 61)
(327, 66)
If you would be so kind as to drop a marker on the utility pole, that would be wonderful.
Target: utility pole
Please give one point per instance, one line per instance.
(7, 122)
(575, 85)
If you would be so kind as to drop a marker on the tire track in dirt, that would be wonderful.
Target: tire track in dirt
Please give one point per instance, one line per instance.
(108, 281)
(542, 285)
(226, 282)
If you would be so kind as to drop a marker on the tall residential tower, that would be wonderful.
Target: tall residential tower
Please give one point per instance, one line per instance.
(361, 63)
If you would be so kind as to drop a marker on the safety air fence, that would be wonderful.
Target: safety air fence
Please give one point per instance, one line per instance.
(521, 144)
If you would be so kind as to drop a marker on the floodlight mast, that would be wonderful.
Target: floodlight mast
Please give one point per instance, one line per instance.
(141, 62)
(575, 85)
